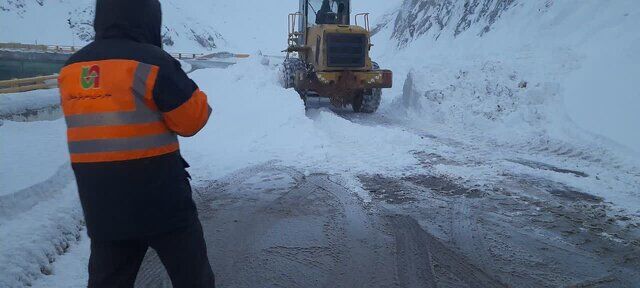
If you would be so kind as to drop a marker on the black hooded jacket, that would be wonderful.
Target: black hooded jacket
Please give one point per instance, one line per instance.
(144, 197)
(139, 20)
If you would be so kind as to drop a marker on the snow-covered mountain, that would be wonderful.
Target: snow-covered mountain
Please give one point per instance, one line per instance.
(67, 22)
(189, 25)
(417, 17)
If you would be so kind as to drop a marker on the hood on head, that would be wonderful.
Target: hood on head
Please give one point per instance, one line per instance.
(137, 20)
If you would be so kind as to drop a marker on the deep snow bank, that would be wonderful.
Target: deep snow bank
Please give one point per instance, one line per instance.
(31, 106)
(30, 153)
(40, 215)
(576, 57)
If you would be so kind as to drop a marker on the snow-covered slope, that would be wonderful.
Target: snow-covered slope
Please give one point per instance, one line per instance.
(577, 60)
(69, 22)
(188, 25)
(417, 18)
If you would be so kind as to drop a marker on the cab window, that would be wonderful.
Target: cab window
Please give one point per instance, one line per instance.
(328, 12)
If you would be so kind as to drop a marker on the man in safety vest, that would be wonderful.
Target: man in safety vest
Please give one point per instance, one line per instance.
(125, 101)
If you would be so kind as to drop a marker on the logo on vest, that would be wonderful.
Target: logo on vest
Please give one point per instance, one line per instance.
(90, 78)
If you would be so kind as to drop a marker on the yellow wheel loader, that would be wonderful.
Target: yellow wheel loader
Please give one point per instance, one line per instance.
(328, 57)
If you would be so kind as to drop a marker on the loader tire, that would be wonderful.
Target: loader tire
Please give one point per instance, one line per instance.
(289, 69)
(368, 101)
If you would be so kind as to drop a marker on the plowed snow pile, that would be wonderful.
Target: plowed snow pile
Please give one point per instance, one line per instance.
(550, 69)
(40, 215)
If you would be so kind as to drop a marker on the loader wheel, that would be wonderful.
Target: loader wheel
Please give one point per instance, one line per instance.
(290, 67)
(368, 101)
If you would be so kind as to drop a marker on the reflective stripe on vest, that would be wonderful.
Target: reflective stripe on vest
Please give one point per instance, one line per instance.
(114, 145)
(88, 119)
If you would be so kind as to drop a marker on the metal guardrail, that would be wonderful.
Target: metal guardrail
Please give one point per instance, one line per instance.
(221, 59)
(202, 56)
(38, 47)
(72, 49)
(187, 56)
(65, 49)
(28, 84)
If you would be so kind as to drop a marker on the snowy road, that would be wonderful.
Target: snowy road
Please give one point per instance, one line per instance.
(327, 197)
(522, 221)
(273, 225)
(277, 227)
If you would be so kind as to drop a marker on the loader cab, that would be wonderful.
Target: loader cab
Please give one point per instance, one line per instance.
(322, 12)
(322, 35)
(317, 12)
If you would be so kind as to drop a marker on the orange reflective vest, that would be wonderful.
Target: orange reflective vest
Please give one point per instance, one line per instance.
(110, 112)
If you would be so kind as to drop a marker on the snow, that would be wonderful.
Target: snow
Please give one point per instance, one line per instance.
(602, 95)
(32, 105)
(30, 153)
(377, 9)
(462, 98)
(576, 109)
(27, 23)
(69, 22)
(248, 26)
(591, 67)
(187, 23)
(254, 120)
(70, 270)
(33, 238)
(40, 214)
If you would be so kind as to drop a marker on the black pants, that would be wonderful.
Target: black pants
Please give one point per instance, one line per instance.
(183, 253)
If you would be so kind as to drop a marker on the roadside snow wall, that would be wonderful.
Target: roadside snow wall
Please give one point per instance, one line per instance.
(549, 65)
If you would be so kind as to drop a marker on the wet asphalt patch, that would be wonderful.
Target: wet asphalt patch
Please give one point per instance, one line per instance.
(574, 195)
(396, 191)
(386, 189)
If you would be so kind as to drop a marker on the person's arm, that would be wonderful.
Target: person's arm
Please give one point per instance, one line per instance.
(183, 106)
